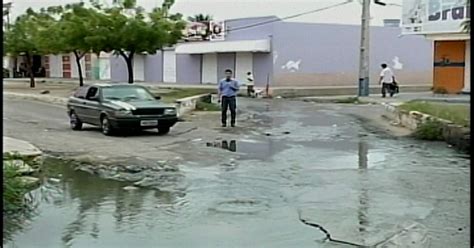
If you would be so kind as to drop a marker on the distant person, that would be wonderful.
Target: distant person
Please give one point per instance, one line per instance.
(250, 84)
(227, 92)
(387, 79)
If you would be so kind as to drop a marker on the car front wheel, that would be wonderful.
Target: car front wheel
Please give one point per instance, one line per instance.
(74, 121)
(107, 128)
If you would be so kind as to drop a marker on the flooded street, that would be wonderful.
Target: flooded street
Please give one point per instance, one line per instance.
(360, 185)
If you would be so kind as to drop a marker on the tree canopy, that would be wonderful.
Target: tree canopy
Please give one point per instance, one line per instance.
(124, 28)
(200, 18)
(133, 31)
(29, 36)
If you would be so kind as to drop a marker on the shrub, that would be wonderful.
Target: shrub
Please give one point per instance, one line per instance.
(430, 130)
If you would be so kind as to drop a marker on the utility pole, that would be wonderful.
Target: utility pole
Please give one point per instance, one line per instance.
(364, 63)
(364, 49)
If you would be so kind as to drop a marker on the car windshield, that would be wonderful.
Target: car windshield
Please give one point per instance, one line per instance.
(127, 94)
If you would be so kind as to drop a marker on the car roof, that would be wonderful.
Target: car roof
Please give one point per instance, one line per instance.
(107, 85)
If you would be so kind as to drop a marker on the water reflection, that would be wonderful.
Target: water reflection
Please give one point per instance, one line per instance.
(14, 223)
(83, 199)
(250, 149)
(363, 209)
(363, 155)
(226, 145)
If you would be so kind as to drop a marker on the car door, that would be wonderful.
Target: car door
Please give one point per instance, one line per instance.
(77, 103)
(92, 106)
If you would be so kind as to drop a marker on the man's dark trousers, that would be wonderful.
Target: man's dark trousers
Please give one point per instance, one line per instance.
(387, 87)
(228, 102)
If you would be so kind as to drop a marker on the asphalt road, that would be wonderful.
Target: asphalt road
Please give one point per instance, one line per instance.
(334, 163)
(47, 126)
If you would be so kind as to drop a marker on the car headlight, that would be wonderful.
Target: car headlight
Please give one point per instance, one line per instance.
(170, 111)
(122, 113)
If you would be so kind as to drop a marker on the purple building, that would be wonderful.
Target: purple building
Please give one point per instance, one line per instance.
(285, 54)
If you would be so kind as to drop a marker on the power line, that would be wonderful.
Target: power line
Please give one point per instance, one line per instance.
(288, 17)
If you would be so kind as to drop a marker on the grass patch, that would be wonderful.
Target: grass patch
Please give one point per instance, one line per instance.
(205, 106)
(456, 113)
(429, 130)
(174, 94)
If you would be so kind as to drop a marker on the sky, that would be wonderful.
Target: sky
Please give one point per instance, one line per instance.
(230, 9)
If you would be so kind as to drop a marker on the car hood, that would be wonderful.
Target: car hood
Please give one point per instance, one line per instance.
(132, 105)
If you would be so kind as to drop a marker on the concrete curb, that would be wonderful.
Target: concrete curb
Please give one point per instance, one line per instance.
(188, 104)
(337, 90)
(453, 134)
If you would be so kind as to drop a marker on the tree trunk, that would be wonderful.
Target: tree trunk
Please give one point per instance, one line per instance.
(79, 56)
(129, 61)
(29, 64)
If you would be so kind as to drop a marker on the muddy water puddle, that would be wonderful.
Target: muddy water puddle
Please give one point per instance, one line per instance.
(359, 193)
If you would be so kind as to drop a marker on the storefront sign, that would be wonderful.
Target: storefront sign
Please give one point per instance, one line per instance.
(217, 30)
(204, 31)
(196, 31)
(434, 16)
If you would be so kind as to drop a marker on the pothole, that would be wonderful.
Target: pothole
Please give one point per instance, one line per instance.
(241, 206)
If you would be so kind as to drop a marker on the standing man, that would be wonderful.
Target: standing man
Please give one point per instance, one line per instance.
(227, 92)
(386, 79)
(250, 84)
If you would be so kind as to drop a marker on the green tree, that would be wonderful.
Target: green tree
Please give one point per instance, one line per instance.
(72, 32)
(200, 18)
(133, 31)
(26, 37)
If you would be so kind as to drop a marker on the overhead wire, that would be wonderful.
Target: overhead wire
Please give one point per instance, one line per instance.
(288, 17)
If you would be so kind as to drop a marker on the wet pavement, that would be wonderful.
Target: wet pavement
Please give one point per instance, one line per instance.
(246, 187)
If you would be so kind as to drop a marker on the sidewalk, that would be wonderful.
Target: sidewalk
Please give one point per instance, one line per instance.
(11, 145)
(284, 91)
(400, 98)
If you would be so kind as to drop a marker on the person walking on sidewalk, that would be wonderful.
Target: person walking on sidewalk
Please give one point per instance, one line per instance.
(250, 84)
(227, 92)
(387, 80)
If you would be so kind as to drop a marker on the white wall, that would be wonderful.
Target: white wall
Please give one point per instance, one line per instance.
(104, 65)
(169, 67)
(55, 66)
(209, 68)
(243, 64)
(467, 68)
(139, 67)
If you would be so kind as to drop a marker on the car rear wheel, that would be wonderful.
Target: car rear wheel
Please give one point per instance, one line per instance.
(107, 128)
(74, 121)
(163, 129)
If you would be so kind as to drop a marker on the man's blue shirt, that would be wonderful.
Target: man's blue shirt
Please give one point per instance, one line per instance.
(228, 88)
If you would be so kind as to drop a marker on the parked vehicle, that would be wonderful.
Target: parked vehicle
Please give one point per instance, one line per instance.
(115, 107)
